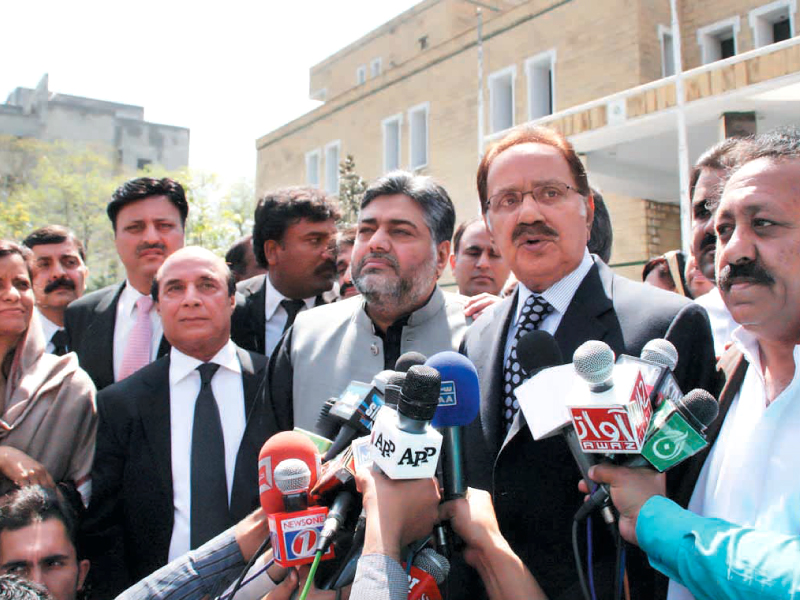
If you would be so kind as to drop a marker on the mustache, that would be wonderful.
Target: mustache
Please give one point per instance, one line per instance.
(749, 272)
(381, 255)
(144, 247)
(62, 282)
(346, 287)
(538, 228)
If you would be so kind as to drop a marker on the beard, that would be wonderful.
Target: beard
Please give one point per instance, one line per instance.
(401, 291)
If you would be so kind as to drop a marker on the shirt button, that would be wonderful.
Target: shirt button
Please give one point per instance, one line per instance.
(374, 349)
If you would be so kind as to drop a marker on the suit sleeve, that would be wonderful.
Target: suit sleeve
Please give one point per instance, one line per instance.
(102, 531)
(280, 383)
(82, 392)
(690, 332)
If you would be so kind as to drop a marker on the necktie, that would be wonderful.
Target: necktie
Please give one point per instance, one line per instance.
(59, 341)
(137, 351)
(209, 488)
(292, 307)
(531, 316)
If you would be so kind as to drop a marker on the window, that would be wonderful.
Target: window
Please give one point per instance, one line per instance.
(361, 75)
(501, 99)
(773, 22)
(312, 168)
(718, 41)
(332, 168)
(540, 70)
(391, 142)
(375, 67)
(418, 135)
(667, 56)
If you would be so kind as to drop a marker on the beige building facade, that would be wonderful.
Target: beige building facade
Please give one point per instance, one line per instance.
(407, 95)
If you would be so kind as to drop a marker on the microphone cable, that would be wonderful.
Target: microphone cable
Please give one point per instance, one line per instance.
(578, 563)
(311, 574)
(240, 580)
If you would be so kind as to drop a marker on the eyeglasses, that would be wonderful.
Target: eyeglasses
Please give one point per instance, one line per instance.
(546, 194)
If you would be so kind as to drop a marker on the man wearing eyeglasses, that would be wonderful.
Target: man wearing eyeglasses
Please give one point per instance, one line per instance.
(538, 207)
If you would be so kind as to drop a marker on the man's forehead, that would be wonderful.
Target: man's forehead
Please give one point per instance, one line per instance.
(305, 226)
(709, 185)
(530, 164)
(763, 182)
(65, 248)
(46, 537)
(190, 267)
(397, 208)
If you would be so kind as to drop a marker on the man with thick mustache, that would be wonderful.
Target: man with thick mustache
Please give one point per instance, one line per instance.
(116, 331)
(294, 236)
(749, 475)
(401, 247)
(59, 277)
(538, 207)
(705, 187)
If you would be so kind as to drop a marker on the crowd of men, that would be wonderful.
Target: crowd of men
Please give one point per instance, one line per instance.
(133, 416)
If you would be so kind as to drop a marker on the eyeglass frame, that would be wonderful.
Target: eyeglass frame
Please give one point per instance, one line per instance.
(532, 193)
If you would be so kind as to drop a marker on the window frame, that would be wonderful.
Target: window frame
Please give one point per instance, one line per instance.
(398, 119)
(711, 34)
(338, 145)
(548, 56)
(315, 153)
(423, 107)
(767, 12)
(511, 71)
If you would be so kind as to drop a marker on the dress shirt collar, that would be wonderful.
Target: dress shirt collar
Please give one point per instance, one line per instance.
(181, 365)
(274, 297)
(128, 298)
(560, 294)
(48, 327)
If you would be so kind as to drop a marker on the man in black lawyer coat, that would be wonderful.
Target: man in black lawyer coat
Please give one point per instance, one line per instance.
(542, 235)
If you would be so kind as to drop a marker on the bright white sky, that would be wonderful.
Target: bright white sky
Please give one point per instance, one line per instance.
(230, 71)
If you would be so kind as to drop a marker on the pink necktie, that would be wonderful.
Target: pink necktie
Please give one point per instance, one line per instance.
(137, 352)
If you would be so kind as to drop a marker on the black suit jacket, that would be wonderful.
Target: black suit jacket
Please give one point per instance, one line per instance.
(129, 523)
(89, 322)
(534, 483)
(248, 323)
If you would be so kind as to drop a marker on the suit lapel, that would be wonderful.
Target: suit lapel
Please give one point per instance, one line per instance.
(244, 480)
(257, 309)
(493, 336)
(154, 409)
(100, 336)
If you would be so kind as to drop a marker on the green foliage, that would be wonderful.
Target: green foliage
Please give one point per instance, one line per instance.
(351, 190)
(70, 184)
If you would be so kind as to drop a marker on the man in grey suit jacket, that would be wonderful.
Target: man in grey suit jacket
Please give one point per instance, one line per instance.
(402, 246)
(538, 206)
(294, 237)
(148, 217)
(178, 441)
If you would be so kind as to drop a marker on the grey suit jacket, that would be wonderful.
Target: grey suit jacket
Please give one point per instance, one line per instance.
(89, 322)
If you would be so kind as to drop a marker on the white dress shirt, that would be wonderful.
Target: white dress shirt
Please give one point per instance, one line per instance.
(559, 295)
(127, 314)
(48, 329)
(184, 386)
(275, 315)
(722, 323)
(750, 475)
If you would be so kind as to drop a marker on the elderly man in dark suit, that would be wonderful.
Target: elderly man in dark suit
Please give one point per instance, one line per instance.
(294, 237)
(178, 441)
(116, 331)
(538, 207)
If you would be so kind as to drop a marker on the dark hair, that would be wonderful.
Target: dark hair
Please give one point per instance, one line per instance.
(718, 158)
(146, 187)
(460, 232)
(652, 264)
(54, 234)
(279, 209)
(7, 248)
(13, 587)
(531, 134)
(229, 276)
(346, 236)
(440, 214)
(236, 256)
(34, 504)
(601, 237)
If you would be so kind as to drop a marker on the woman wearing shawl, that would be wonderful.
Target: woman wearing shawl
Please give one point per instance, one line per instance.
(48, 419)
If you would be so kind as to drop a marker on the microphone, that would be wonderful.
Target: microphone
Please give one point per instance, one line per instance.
(459, 401)
(279, 447)
(393, 387)
(408, 360)
(403, 443)
(356, 408)
(295, 530)
(427, 573)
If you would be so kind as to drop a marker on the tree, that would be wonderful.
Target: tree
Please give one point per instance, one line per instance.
(351, 190)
